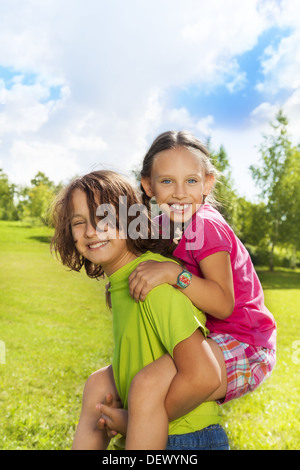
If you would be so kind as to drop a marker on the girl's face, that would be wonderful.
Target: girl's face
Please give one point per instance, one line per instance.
(178, 183)
(102, 247)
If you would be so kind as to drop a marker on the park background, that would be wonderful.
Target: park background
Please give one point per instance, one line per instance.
(88, 85)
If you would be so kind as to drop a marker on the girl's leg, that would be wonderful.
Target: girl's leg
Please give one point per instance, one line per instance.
(147, 417)
(88, 436)
(222, 389)
(247, 366)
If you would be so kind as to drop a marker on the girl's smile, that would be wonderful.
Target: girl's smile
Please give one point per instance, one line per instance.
(178, 212)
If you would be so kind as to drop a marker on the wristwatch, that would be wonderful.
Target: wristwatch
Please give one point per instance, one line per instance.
(184, 279)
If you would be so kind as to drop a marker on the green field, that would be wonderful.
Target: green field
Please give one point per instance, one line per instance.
(57, 330)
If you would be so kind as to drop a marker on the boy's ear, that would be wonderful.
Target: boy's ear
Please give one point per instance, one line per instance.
(146, 184)
(209, 182)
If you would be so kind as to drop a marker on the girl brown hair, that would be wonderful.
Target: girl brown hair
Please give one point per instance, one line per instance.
(171, 140)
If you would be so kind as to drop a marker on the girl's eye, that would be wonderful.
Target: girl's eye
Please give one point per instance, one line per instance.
(192, 181)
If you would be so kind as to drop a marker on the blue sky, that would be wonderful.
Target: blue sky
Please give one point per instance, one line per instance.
(89, 84)
(232, 107)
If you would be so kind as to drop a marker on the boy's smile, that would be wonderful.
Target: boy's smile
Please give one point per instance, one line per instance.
(101, 247)
(96, 245)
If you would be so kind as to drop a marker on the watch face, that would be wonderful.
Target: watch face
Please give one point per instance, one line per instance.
(184, 279)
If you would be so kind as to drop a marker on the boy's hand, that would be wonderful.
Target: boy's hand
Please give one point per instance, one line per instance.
(113, 417)
(150, 274)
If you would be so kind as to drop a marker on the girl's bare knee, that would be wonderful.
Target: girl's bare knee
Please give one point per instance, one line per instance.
(141, 388)
(152, 382)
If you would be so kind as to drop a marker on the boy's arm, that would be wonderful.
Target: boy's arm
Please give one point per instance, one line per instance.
(198, 376)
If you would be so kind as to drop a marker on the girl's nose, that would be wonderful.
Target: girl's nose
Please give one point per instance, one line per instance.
(179, 191)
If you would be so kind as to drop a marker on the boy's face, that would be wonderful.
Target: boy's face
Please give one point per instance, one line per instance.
(103, 246)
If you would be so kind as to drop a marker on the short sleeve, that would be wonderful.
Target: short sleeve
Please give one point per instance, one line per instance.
(172, 315)
(216, 237)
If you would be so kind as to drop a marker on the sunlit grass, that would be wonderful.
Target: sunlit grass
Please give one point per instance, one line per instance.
(269, 417)
(57, 330)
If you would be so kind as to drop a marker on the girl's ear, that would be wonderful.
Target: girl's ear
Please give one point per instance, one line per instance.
(209, 182)
(146, 184)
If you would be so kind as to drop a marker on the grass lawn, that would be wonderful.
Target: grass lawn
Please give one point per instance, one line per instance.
(269, 417)
(57, 330)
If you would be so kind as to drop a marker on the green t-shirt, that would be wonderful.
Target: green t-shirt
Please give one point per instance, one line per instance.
(144, 331)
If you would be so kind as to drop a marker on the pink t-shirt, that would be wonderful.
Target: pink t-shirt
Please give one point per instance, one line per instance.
(209, 233)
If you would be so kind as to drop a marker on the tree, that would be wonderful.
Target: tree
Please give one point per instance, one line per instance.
(269, 176)
(252, 225)
(7, 191)
(224, 193)
(289, 235)
(41, 179)
(35, 201)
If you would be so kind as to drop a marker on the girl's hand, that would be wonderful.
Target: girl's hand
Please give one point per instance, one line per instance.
(150, 274)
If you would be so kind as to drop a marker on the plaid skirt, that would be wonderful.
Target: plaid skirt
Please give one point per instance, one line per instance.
(247, 366)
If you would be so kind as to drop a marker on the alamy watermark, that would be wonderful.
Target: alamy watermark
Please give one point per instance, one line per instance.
(2, 352)
(296, 353)
(133, 222)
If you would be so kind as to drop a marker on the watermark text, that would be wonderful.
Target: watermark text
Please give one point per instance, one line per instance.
(2, 352)
(296, 353)
(136, 222)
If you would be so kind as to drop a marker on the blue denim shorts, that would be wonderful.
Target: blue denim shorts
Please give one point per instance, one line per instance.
(211, 438)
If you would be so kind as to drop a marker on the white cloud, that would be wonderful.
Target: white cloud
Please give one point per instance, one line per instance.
(116, 64)
(182, 119)
(281, 62)
(281, 69)
(27, 158)
(281, 65)
(3, 93)
(264, 113)
(98, 42)
(24, 110)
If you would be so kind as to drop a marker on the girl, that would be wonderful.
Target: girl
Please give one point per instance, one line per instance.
(146, 334)
(221, 280)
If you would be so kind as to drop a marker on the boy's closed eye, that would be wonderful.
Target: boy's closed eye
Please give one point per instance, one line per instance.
(77, 221)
